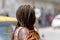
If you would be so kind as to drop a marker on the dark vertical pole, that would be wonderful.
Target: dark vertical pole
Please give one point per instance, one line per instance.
(43, 18)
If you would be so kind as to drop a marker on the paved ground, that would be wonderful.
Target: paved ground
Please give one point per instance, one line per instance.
(49, 33)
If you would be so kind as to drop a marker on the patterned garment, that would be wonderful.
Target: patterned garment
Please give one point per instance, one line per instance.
(22, 33)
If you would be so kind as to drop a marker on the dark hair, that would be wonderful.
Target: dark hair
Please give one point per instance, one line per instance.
(26, 16)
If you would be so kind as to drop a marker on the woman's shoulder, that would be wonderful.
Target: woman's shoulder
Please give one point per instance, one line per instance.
(21, 30)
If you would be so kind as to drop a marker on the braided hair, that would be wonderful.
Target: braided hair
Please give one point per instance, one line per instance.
(26, 16)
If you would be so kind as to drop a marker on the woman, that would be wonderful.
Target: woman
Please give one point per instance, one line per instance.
(25, 29)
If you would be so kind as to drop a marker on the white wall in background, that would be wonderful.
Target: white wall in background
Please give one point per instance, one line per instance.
(47, 6)
(0, 4)
(23, 2)
(1, 10)
(12, 5)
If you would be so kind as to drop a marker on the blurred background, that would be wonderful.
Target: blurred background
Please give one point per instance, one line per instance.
(47, 14)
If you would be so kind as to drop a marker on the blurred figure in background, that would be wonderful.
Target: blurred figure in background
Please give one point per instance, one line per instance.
(25, 26)
(49, 18)
(38, 19)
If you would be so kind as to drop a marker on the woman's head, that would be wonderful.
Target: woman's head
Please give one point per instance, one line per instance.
(26, 15)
